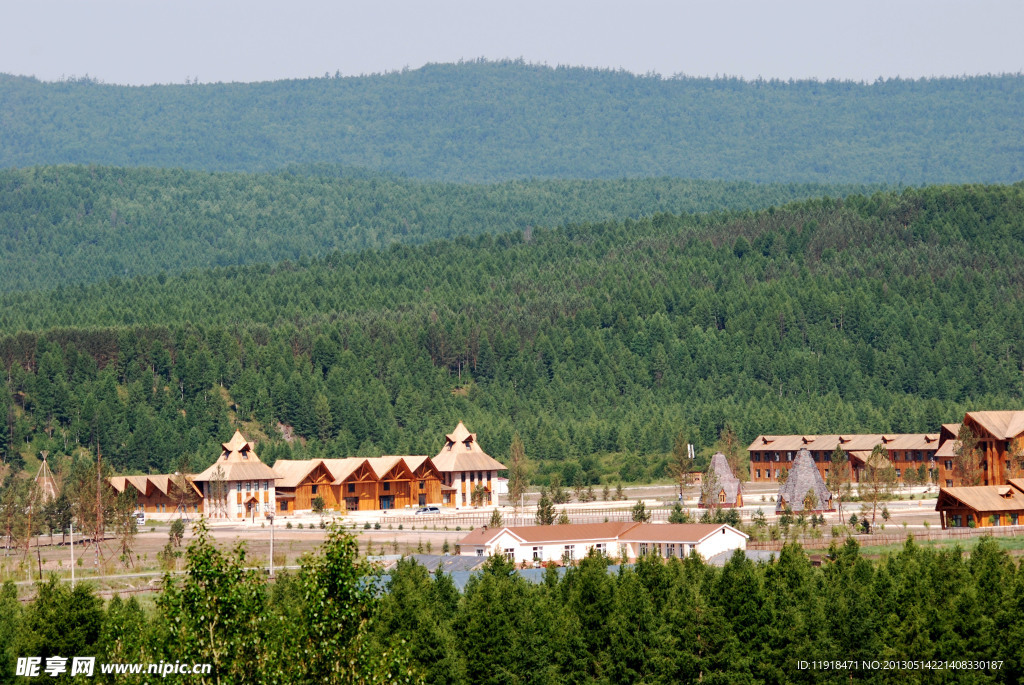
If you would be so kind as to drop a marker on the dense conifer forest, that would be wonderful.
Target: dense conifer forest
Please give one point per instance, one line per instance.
(924, 616)
(488, 121)
(74, 224)
(597, 342)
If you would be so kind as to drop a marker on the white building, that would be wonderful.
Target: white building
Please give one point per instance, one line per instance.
(238, 485)
(628, 541)
(466, 469)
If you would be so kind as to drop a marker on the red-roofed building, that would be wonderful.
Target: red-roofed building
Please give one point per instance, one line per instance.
(627, 541)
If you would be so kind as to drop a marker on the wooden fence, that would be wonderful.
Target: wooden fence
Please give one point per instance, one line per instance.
(897, 538)
(470, 520)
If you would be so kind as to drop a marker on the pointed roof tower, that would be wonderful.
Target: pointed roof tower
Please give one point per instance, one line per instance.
(238, 461)
(803, 478)
(461, 452)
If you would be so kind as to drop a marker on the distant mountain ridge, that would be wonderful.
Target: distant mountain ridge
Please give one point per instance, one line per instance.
(490, 121)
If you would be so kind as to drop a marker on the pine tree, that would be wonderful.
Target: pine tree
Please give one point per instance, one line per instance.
(545, 510)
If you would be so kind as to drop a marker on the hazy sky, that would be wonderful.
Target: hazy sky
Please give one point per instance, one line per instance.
(149, 41)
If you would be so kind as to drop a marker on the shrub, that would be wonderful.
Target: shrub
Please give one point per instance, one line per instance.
(366, 526)
(289, 526)
(376, 526)
(300, 526)
(399, 526)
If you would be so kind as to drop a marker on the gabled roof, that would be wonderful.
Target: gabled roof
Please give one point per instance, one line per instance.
(848, 441)
(692, 533)
(462, 452)
(1002, 425)
(382, 465)
(572, 532)
(291, 472)
(341, 469)
(981, 498)
(1017, 483)
(803, 477)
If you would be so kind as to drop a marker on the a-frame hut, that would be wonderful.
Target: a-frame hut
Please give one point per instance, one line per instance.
(804, 478)
(45, 483)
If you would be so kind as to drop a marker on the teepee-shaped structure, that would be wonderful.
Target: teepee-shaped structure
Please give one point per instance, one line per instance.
(45, 483)
(804, 478)
(720, 485)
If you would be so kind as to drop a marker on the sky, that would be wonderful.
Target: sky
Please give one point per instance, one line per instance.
(142, 42)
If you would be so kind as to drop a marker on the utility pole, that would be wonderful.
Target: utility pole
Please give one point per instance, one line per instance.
(271, 517)
(72, 524)
(99, 509)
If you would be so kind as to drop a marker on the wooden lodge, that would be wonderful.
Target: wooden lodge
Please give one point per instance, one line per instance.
(358, 483)
(982, 506)
(161, 494)
(771, 454)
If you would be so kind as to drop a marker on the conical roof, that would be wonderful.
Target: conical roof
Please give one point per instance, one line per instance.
(803, 477)
(726, 479)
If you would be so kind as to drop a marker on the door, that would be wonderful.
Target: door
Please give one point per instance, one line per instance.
(423, 500)
(387, 502)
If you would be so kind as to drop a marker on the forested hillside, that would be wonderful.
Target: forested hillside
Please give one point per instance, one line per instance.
(75, 224)
(486, 121)
(893, 312)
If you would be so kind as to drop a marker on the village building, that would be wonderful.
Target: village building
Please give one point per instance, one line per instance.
(238, 485)
(728, 492)
(624, 540)
(1000, 436)
(948, 445)
(468, 474)
(982, 506)
(804, 479)
(161, 496)
(358, 483)
(772, 454)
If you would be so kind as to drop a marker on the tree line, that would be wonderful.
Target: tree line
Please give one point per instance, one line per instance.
(338, 621)
(492, 121)
(63, 225)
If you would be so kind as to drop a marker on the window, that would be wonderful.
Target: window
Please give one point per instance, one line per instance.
(643, 548)
(898, 474)
(949, 482)
(670, 549)
(721, 497)
(479, 551)
(248, 486)
(570, 552)
(948, 464)
(789, 456)
(351, 487)
(423, 484)
(510, 554)
(600, 547)
(759, 473)
(1013, 519)
(387, 487)
(314, 488)
(265, 483)
(538, 553)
